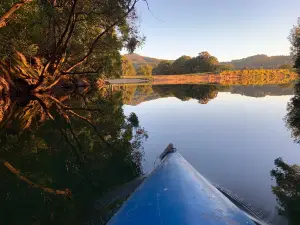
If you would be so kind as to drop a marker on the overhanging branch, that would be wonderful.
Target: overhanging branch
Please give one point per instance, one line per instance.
(7, 15)
(93, 45)
(67, 192)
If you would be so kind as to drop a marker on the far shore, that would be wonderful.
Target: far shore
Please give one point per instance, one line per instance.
(228, 78)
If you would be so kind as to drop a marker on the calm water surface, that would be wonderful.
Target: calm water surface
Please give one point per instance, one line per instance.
(90, 147)
(232, 140)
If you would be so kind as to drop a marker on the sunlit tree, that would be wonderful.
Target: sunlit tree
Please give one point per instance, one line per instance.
(295, 42)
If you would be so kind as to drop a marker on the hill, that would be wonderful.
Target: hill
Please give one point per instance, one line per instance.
(138, 60)
(251, 62)
(258, 61)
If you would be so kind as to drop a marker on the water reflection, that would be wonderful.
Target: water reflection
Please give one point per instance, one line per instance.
(62, 152)
(241, 126)
(59, 154)
(287, 190)
(287, 177)
(136, 94)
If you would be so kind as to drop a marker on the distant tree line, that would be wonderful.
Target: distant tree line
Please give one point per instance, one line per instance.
(202, 63)
(186, 64)
(205, 63)
(262, 61)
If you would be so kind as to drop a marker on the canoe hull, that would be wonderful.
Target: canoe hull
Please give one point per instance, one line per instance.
(176, 194)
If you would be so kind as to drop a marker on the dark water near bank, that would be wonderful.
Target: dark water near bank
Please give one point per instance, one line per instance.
(82, 146)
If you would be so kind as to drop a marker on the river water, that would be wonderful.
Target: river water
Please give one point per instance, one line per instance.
(232, 139)
(70, 158)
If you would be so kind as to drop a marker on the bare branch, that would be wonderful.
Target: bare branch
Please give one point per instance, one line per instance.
(7, 15)
(67, 192)
(151, 11)
(70, 19)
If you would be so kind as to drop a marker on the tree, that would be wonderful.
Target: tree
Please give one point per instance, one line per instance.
(287, 190)
(203, 93)
(70, 38)
(163, 68)
(180, 65)
(145, 70)
(285, 67)
(127, 67)
(204, 62)
(54, 172)
(293, 114)
(184, 65)
(225, 67)
(295, 42)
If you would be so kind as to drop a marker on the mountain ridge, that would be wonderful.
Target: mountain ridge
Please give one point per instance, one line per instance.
(251, 62)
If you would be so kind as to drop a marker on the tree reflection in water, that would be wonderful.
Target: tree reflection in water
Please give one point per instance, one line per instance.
(60, 153)
(287, 190)
(287, 177)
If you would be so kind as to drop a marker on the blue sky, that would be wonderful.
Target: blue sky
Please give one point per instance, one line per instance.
(230, 29)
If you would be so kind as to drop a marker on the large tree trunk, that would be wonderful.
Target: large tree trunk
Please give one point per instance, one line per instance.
(7, 15)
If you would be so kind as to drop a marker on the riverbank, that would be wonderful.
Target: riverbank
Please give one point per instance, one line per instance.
(242, 77)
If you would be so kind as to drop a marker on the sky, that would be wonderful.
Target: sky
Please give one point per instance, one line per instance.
(231, 29)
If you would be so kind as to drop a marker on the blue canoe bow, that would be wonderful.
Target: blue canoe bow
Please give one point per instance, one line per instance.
(176, 194)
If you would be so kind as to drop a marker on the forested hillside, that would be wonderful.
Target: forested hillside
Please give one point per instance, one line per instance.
(138, 60)
(261, 61)
(187, 64)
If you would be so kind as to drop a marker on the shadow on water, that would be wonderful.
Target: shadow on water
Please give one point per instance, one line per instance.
(59, 154)
(73, 157)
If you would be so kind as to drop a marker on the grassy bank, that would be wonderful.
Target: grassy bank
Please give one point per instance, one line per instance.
(236, 77)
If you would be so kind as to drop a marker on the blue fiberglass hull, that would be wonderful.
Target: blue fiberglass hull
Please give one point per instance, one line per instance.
(176, 194)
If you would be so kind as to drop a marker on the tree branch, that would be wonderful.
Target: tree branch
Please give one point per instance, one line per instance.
(93, 45)
(70, 19)
(7, 15)
(67, 192)
(81, 117)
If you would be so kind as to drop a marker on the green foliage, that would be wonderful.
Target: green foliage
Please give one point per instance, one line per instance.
(260, 61)
(136, 94)
(203, 93)
(127, 67)
(163, 68)
(293, 116)
(133, 119)
(145, 70)
(138, 60)
(89, 158)
(295, 42)
(287, 190)
(80, 36)
(286, 67)
(179, 66)
(203, 63)
(225, 67)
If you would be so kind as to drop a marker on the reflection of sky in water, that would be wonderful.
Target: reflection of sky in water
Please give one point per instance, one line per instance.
(233, 140)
